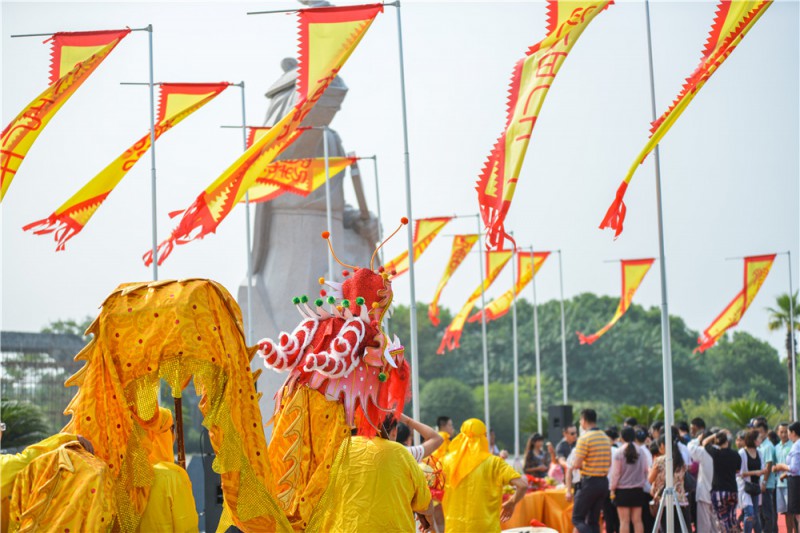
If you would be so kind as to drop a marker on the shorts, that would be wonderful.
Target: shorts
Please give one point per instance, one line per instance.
(781, 499)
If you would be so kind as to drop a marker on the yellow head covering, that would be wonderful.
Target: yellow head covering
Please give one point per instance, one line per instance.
(442, 450)
(159, 438)
(468, 450)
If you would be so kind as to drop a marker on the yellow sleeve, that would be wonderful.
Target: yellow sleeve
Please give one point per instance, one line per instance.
(422, 494)
(504, 473)
(184, 512)
(13, 464)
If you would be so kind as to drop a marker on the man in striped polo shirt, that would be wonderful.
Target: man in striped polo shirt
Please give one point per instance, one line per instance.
(593, 458)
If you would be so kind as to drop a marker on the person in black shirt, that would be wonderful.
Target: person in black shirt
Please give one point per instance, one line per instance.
(724, 491)
(566, 445)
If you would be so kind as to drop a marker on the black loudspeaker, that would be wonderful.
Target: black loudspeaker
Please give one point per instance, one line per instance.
(558, 417)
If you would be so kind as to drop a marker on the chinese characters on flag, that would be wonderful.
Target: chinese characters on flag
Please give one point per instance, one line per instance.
(74, 57)
(756, 269)
(177, 101)
(532, 77)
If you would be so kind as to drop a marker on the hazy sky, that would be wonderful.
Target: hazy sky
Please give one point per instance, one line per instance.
(729, 165)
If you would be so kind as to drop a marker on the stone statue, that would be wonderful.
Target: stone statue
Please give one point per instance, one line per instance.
(288, 253)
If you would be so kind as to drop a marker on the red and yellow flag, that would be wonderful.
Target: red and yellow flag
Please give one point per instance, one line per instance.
(74, 57)
(425, 230)
(528, 264)
(495, 261)
(462, 244)
(177, 101)
(532, 77)
(327, 38)
(733, 20)
(298, 176)
(756, 269)
(633, 272)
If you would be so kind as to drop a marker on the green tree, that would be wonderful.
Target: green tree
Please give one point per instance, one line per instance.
(446, 397)
(710, 408)
(644, 414)
(70, 327)
(24, 422)
(501, 408)
(740, 364)
(780, 319)
(622, 367)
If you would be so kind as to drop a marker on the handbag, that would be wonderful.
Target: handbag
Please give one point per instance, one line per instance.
(753, 489)
(689, 482)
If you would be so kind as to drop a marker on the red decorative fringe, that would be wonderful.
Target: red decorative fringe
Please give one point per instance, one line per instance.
(65, 229)
(586, 340)
(615, 215)
(449, 341)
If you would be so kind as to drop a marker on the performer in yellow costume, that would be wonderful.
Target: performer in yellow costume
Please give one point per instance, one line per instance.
(171, 506)
(379, 491)
(65, 490)
(13, 464)
(343, 372)
(474, 481)
(442, 450)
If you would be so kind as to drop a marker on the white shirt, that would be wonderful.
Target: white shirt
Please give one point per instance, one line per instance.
(687, 458)
(418, 452)
(705, 472)
(644, 450)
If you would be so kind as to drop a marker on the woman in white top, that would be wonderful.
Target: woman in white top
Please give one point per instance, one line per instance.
(628, 477)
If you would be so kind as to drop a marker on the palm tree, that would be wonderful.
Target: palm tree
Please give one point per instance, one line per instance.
(24, 423)
(743, 410)
(779, 319)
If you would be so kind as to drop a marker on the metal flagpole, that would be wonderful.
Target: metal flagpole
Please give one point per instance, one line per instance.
(378, 203)
(374, 159)
(247, 231)
(538, 357)
(328, 214)
(153, 154)
(50, 34)
(481, 255)
(563, 331)
(791, 339)
(514, 282)
(667, 500)
(411, 278)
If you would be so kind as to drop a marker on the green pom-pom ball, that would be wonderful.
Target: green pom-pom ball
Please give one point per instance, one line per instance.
(304, 298)
(331, 300)
(295, 300)
(318, 302)
(359, 301)
(345, 303)
(382, 377)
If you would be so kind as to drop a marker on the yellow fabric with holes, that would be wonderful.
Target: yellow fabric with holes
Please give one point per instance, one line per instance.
(176, 331)
(66, 490)
(13, 464)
